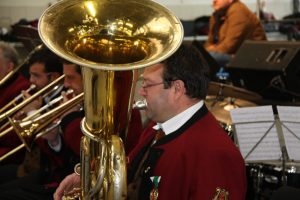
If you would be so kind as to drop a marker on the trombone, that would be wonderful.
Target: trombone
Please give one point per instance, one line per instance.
(32, 129)
(15, 70)
(46, 90)
(41, 110)
(17, 99)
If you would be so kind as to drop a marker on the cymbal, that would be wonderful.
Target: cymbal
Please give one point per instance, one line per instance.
(220, 108)
(220, 89)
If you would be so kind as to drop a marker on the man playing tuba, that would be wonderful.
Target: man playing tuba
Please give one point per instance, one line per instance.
(195, 157)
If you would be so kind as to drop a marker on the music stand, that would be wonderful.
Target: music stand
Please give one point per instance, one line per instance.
(266, 134)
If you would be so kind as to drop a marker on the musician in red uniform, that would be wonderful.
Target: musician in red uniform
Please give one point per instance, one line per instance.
(9, 90)
(60, 148)
(195, 159)
(13, 86)
(59, 151)
(44, 68)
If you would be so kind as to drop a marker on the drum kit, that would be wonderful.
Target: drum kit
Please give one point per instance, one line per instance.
(263, 177)
(222, 98)
(266, 177)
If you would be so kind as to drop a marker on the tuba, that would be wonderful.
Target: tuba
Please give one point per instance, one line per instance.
(111, 40)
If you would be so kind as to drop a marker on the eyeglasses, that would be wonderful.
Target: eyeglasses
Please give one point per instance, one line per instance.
(144, 86)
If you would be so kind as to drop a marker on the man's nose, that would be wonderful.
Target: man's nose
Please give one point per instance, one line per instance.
(141, 91)
(32, 80)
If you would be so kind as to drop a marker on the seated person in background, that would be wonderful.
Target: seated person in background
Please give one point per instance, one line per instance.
(230, 25)
(9, 90)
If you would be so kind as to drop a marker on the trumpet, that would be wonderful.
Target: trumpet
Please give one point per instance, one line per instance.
(39, 111)
(16, 69)
(46, 90)
(31, 129)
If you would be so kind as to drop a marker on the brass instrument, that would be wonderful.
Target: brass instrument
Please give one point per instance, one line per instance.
(111, 40)
(44, 91)
(36, 113)
(16, 69)
(27, 130)
(32, 128)
(17, 99)
(21, 146)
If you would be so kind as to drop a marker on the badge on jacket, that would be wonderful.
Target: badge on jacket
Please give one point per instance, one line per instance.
(221, 194)
(154, 192)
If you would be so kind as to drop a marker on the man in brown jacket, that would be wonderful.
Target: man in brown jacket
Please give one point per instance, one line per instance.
(230, 24)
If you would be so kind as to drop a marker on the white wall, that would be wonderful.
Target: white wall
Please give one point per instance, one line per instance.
(11, 11)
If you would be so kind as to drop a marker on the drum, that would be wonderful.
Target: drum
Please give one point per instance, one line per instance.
(265, 178)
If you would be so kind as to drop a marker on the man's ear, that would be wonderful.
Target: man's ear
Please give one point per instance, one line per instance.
(179, 86)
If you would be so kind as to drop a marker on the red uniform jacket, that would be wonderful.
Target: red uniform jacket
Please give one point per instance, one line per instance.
(8, 92)
(13, 88)
(192, 162)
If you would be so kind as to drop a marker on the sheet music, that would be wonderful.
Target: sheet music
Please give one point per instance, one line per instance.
(256, 133)
(290, 119)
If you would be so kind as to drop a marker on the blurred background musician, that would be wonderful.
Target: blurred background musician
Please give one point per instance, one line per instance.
(14, 85)
(59, 151)
(60, 148)
(9, 90)
(44, 68)
(230, 24)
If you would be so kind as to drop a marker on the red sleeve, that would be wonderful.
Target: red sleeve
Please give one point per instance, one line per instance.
(13, 88)
(72, 135)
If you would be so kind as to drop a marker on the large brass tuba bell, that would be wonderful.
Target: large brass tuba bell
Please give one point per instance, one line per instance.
(111, 40)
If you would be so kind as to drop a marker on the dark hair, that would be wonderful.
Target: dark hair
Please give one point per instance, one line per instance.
(77, 67)
(51, 61)
(187, 64)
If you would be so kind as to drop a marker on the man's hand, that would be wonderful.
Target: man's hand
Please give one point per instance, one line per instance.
(34, 105)
(211, 48)
(67, 186)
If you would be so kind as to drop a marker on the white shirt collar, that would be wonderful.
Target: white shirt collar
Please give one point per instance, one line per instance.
(177, 121)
